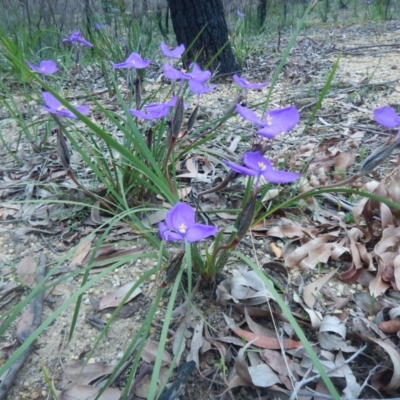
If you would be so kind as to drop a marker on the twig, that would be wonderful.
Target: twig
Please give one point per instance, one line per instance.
(306, 380)
(37, 302)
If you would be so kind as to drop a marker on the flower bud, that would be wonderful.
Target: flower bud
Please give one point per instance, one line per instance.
(192, 118)
(177, 120)
(62, 150)
(173, 269)
(246, 217)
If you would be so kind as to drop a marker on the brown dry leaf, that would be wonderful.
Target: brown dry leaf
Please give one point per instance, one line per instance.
(266, 342)
(256, 328)
(313, 252)
(385, 253)
(81, 251)
(280, 364)
(113, 299)
(315, 287)
(390, 327)
(342, 163)
(150, 351)
(86, 392)
(79, 374)
(26, 271)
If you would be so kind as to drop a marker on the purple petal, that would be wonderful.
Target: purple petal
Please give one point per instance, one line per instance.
(173, 53)
(180, 218)
(48, 67)
(245, 84)
(149, 116)
(199, 88)
(249, 115)
(240, 168)
(83, 109)
(387, 117)
(133, 61)
(197, 74)
(278, 121)
(240, 14)
(137, 61)
(256, 162)
(199, 232)
(172, 73)
(166, 234)
(123, 64)
(172, 101)
(50, 101)
(275, 176)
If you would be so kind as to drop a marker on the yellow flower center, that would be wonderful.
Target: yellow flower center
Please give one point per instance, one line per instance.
(182, 228)
(60, 108)
(269, 120)
(262, 165)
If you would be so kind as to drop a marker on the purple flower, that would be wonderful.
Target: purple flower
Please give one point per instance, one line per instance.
(172, 73)
(133, 61)
(53, 106)
(76, 37)
(240, 14)
(46, 67)
(257, 165)
(181, 224)
(155, 110)
(281, 120)
(387, 117)
(274, 122)
(199, 88)
(173, 53)
(197, 74)
(245, 84)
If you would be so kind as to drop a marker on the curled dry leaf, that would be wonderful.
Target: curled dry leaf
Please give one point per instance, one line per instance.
(113, 299)
(386, 255)
(332, 334)
(197, 343)
(313, 252)
(247, 287)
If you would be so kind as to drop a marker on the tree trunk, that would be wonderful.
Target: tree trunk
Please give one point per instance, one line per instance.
(262, 12)
(189, 17)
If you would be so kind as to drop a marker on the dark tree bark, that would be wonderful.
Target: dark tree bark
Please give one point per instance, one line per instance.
(262, 12)
(189, 17)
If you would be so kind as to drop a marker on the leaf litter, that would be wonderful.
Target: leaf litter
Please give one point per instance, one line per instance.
(362, 252)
